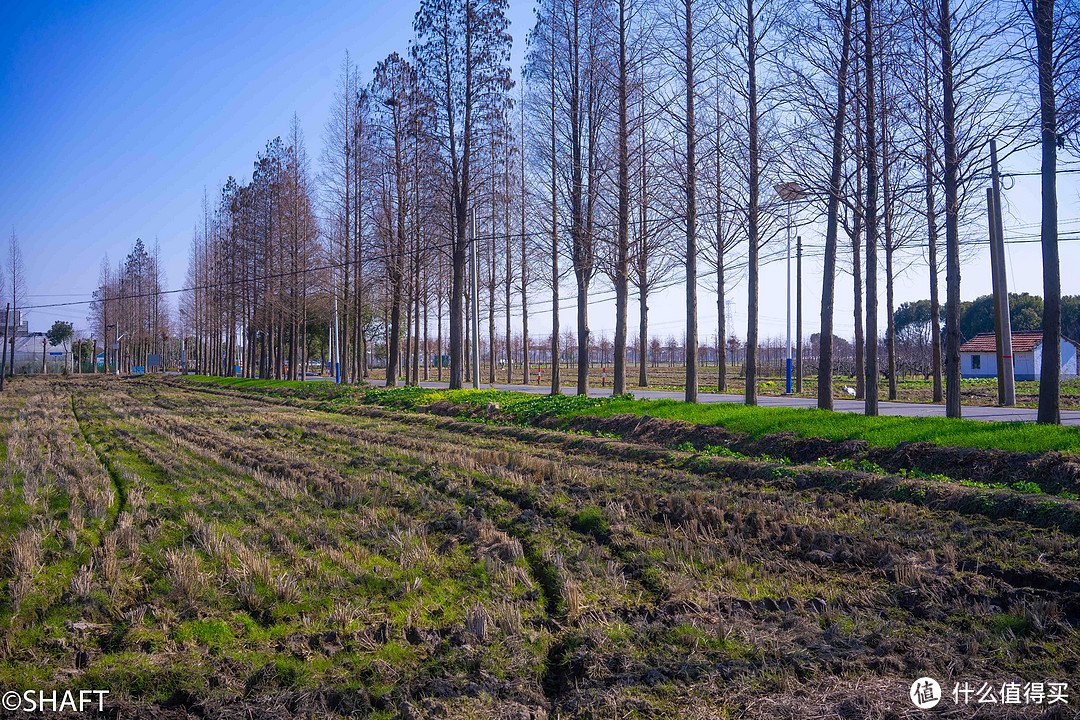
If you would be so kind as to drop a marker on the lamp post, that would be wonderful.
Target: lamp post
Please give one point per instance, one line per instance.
(183, 352)
(789, 193)
(108, 348)
(118, 338)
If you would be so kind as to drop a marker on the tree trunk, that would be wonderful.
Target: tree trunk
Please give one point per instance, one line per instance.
(832, 229)
(752, 224)
(932, 237)
(457, 300)
(887, 212)
(622, 252)
(952, 221)
(691, 394)
(509, 280)
(524, 264)
(856, 252)
(583, 336)
(721, 317)
(1050, 372)
(556, 374)
(871, 400)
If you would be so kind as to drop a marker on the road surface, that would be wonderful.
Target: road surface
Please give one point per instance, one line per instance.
(902, 409)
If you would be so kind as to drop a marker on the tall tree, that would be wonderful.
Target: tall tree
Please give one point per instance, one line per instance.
(952, 217)
(825, 355)
(1057, 59)
(871, 213)
(622, 243)
(16, 272)
(339, 185)
(690, 200)
(392, 84)
(462, 51)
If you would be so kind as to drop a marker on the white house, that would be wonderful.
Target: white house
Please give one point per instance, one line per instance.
(978, 356)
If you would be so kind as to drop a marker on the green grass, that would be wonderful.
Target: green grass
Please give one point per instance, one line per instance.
(754, 421)
(879, 431)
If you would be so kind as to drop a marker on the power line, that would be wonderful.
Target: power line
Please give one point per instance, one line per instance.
(1016, 239)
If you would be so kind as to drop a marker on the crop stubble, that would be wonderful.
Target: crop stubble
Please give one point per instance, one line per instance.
(214, 554)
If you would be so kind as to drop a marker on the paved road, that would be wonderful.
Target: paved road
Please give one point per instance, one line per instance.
(904, 409)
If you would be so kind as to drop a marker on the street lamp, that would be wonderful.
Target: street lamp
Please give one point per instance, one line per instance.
(118, 339)
(183, 352)
(789, 192)
(108, 347)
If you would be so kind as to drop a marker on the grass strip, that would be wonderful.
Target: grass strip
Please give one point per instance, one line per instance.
(753, 421)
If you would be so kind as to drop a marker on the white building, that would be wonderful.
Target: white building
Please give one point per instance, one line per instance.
(33, 352)
(978, 356)
(32, 349)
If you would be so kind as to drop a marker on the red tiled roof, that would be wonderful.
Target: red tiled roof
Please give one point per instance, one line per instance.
(987, 342)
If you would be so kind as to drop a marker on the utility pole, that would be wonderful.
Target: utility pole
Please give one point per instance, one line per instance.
(798, 315)
(1006, 377)
(44, 345)
(475, 291)
(3, 355)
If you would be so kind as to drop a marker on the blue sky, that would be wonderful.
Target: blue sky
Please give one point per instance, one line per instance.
(115, 116)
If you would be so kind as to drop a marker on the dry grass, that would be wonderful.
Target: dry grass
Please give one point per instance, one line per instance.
(273, 554)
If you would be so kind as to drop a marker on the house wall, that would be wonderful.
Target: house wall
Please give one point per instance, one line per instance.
(1068, 360)
(987, 369)
(1026, 365)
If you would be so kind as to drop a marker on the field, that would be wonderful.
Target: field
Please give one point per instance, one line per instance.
(205, 550)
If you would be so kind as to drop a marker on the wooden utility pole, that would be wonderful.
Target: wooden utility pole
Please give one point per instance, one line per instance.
(1003, 324)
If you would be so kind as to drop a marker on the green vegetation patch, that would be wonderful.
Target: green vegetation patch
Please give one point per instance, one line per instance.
(754, 421)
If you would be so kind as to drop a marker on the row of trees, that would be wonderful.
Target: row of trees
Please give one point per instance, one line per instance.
(650, 144)
(253, 269)
(130, 313)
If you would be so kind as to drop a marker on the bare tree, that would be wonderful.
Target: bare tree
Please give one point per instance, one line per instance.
(462, 52)
(1057, 59)
(870, 213)
(17, 273)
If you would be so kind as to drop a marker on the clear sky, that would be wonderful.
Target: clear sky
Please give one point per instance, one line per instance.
(114, 117)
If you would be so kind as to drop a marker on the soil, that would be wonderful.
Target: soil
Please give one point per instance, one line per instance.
(262, 559)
